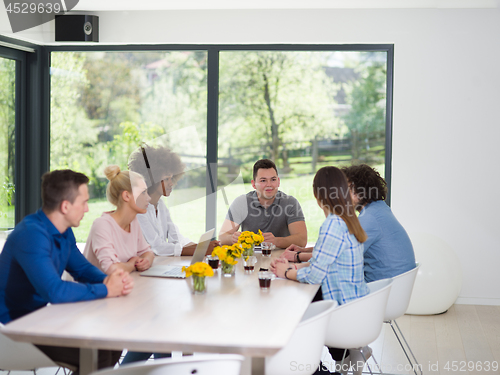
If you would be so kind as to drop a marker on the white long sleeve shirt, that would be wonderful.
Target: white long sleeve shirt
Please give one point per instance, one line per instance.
(160, 232)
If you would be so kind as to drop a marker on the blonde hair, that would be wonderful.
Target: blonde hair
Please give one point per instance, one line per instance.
(119, 181)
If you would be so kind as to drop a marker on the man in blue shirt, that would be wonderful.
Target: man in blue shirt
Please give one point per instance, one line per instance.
(388, 250)
(41, 248)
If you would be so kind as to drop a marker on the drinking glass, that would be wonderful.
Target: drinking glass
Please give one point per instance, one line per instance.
(265, 278)
(267, 247)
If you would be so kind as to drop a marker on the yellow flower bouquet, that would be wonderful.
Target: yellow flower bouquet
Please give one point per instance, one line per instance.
(198, 271)
(248, 240)
(227, 255)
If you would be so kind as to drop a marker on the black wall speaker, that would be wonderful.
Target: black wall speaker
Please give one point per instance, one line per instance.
(77, 28)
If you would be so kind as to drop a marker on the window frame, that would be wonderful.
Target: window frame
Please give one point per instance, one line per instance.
(38, 72)
(31, 159)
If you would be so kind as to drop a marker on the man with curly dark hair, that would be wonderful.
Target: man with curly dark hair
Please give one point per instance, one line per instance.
(388, 251)
(162, 169)
(366, 183)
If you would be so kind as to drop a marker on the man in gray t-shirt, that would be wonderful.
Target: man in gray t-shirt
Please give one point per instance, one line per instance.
(278, 215)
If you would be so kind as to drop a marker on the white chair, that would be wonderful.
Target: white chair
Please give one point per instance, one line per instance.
(21, 356)
(359, 322)
(302, 354)
(228, 364)
(439, 280)
(399, 299)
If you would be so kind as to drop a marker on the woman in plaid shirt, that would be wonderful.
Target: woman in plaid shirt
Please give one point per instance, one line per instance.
(337, 257)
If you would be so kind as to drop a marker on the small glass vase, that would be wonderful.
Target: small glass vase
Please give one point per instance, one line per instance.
(249, 252)
(198, 284)
(227, 269)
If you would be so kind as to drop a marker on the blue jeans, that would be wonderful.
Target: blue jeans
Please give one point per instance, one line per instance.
(142, 356)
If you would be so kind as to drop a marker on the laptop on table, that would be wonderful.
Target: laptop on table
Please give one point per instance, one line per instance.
(176, 271)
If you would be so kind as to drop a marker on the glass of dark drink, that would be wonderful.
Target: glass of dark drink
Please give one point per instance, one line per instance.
(213, 261)
(267, 247)
(265, 278)
(249, 263)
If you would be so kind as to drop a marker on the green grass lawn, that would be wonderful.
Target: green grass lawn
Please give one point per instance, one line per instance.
(7, 217)
(190, 215)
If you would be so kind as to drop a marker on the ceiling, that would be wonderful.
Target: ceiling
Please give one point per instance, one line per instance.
(137, 5)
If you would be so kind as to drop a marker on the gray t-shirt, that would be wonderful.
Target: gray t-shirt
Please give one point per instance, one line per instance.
(247, 211)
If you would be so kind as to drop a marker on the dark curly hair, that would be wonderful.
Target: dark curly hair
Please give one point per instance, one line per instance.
(367, 183)
(161, 161)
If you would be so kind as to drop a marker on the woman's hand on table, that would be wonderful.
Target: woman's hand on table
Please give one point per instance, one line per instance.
(128, 266)
(279, 267)
(142, 264)
(289, 255)
(188, 249)
(291, 252)
(132, 262)
(295, 248)
(276, 264)
(213, 244)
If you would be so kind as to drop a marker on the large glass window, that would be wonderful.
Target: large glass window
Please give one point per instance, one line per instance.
(304, 110)
(104, 105)
(7, 142)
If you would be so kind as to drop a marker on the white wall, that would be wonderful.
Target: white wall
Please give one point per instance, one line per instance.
(446, 95)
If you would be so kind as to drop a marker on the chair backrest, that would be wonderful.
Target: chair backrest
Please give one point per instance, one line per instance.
(303, 352)
(359, 322)
(399, 298)
(214, 364)
(21, 356)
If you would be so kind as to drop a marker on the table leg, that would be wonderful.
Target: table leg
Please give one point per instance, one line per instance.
(88, 361)
(258, 365)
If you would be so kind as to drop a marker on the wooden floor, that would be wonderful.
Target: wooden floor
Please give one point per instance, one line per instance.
(465, 340)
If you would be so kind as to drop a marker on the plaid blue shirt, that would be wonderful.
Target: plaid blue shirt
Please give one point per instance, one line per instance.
(336, 263)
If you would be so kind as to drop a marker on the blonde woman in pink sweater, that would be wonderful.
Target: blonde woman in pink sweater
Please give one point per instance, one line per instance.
(115, 239)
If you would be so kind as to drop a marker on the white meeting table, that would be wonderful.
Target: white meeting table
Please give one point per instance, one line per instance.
(162, 315)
